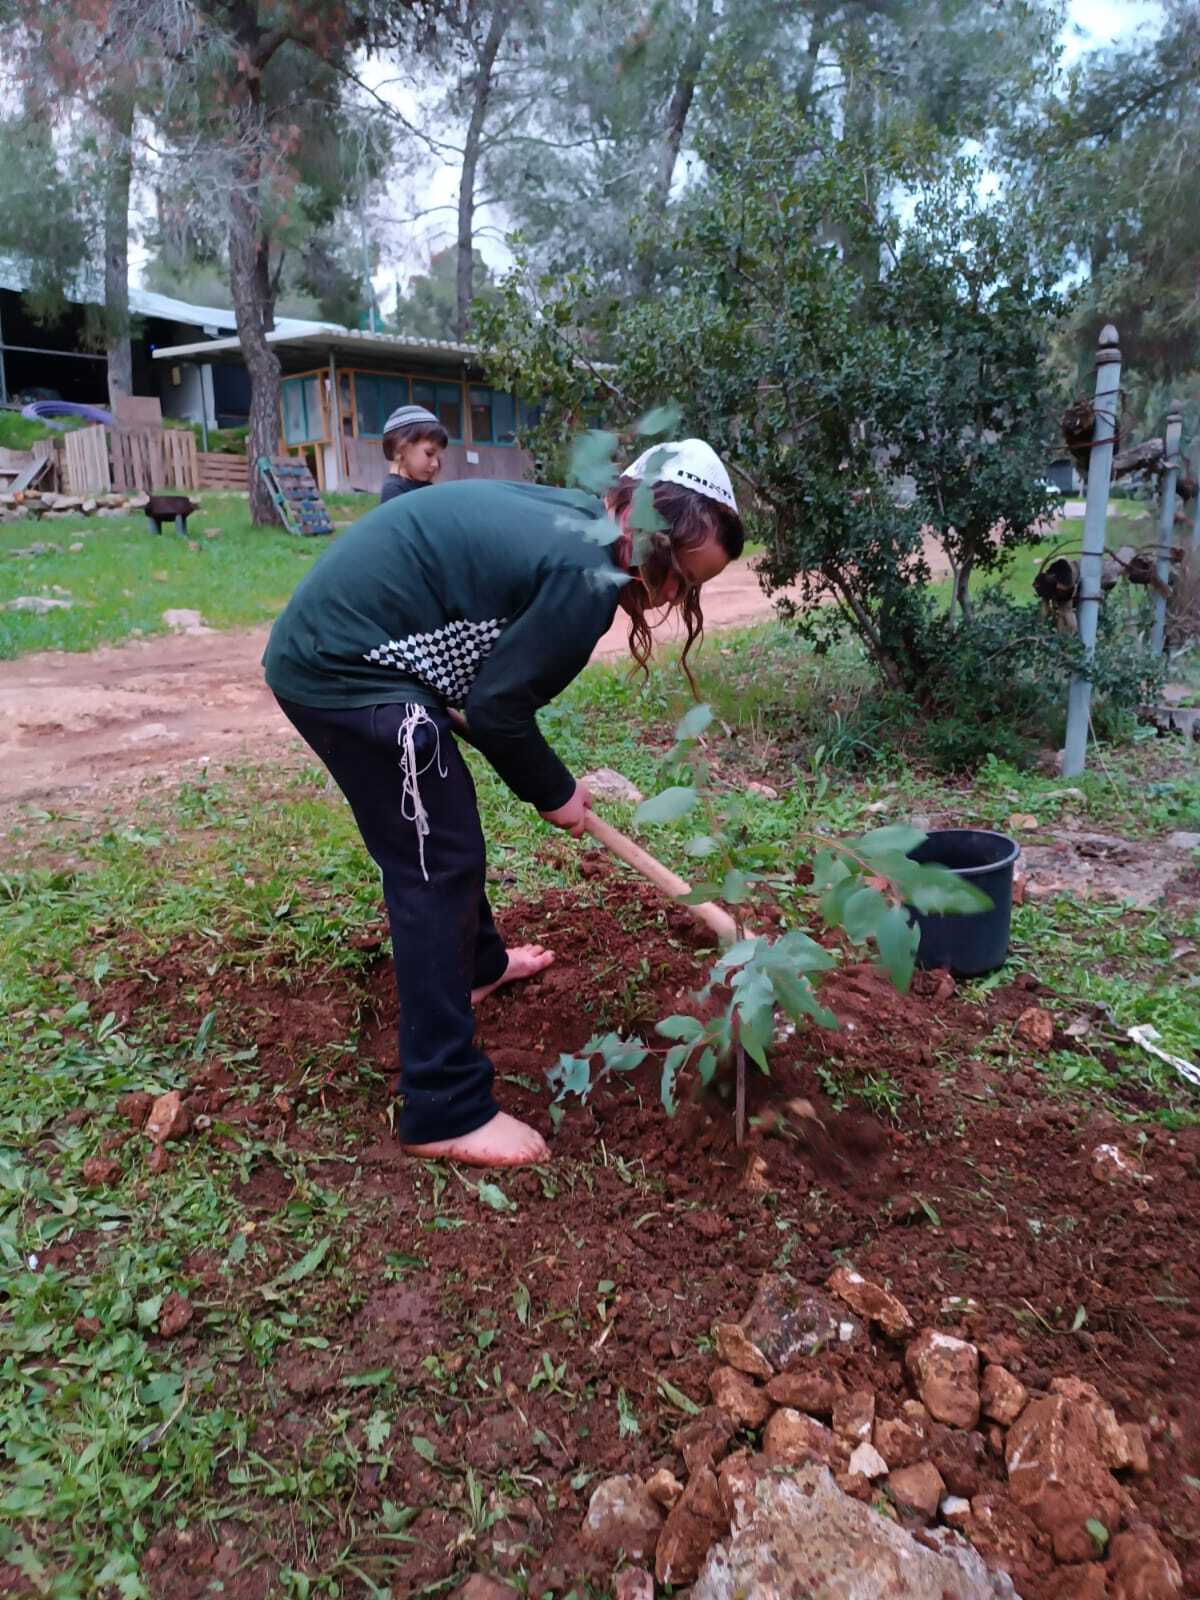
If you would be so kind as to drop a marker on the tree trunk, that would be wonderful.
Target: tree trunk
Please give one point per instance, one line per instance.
(465, 257)
(118, 172)
(249, 282)
(677, 114)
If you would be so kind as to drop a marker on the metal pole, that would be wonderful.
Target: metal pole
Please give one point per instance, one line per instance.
(1079, 703)
(1166, 524)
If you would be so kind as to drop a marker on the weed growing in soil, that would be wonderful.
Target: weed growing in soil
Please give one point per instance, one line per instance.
(866, 888)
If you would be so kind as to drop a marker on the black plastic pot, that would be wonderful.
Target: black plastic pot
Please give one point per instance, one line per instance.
(976, 943)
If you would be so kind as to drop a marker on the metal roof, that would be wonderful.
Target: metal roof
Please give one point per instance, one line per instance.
(327, 336)
(15, 275)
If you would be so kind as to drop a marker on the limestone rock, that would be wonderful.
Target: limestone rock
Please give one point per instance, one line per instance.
(622, 1519)
(741, 1400)
(918, 1489)
(867, 1462)
(693, 1527)
(1035, 1027)
(182, 619)
(1005, 1537)
(854, 1416)
(1136, 1447)
(1002, 1397)
(1114, 1444)
(787, 1320)
(39, 604)
(947, 1375)
(664, 1488)
(958, 1454)
(792, 1438)
(735, 1350)
(634, 1583)
(168, 1118)
(704, 1440)
(606, 784)
(1058, 1474)
(814, 1392)
(871, 1302)
(1108, 1163)
(955, 1510)
(803, 1536)
(1142, 1568)
(899, 1442)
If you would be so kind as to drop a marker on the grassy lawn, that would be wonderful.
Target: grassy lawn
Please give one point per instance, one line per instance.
(115, 1438)
(124, 576)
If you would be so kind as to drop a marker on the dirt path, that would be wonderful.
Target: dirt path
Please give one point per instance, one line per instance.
(74, 725)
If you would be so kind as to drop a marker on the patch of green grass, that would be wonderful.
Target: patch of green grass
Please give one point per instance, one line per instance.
(125, 576)
(19, 433)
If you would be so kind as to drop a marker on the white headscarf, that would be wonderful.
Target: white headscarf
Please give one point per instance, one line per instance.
(689, 462)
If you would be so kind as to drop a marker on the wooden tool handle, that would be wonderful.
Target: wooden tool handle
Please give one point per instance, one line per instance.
(720, 922)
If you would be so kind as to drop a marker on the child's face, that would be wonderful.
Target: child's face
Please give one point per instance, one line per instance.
(421, 461)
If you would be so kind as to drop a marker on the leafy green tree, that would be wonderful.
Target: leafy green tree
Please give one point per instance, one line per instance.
(430, 307)
(821, 386)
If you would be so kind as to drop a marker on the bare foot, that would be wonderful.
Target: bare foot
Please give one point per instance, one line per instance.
(523, 961)
(502, 1142)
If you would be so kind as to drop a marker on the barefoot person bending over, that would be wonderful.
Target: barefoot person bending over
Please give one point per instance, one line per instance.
(464, 610)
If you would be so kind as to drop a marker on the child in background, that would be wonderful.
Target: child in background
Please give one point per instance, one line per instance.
(413, 441)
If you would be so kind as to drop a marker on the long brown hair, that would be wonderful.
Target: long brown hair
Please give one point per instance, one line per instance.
(691, 519)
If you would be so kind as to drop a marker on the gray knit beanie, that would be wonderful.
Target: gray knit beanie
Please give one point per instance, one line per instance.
(407, 416)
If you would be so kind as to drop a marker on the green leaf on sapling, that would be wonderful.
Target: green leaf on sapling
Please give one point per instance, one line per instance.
(660, 419)
(736, 886)
(937, 891)
(591, 463)
(700, 894)
(896, 938)
(680, 1027)
(828, 869)
(898, 837)
(675, 1058)
(700, 845)
(667, 806)
(694, 722)
(571, 1075)
(862, 913)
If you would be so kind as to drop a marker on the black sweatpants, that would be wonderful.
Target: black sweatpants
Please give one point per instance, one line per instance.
(443, 938)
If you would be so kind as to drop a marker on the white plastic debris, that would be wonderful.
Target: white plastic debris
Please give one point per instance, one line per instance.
(1146, 1035)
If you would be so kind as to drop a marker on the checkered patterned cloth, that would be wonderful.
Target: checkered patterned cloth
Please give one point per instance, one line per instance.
(447, 660)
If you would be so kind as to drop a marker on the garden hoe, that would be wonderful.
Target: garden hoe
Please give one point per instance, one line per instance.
(716, 920)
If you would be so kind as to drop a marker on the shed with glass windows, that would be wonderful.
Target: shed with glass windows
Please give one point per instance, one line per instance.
(340, 386)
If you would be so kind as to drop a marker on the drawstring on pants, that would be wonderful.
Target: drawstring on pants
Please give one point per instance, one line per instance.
(412, 807)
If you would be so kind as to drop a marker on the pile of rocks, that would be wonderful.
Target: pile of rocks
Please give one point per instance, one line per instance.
(23, 505)
(972, 1472)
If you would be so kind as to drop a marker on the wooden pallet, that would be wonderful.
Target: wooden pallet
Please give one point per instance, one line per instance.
(295, 495)
(221, 471)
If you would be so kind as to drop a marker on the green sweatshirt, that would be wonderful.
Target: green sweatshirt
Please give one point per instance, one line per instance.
(488, 597)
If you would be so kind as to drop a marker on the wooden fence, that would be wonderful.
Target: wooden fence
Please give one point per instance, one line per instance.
(139, 459)
(220, 471)
(87, 466)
